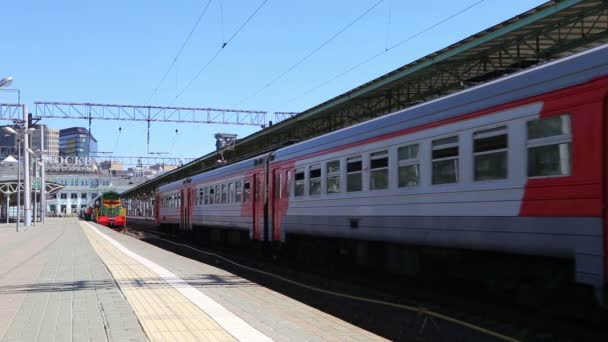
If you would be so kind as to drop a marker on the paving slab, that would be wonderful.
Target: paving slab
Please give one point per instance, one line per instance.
(54, 287)
(274, 315)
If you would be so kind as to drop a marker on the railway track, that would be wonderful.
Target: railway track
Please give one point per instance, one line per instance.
(397, 311)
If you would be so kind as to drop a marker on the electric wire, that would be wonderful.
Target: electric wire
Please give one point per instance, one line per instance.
(219, 2)
(200, 17)
(311, 53)
(224, 44)
(417, 309)
(369, 59)
(388, 24)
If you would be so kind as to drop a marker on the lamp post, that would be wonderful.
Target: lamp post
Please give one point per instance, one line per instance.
(35, 175)
(40, 182)
(42, 178)
(21, 134)
(42, 190)
(8, 204)
(22, 125)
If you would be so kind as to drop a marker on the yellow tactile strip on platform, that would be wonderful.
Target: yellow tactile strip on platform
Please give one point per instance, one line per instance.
(165, 314)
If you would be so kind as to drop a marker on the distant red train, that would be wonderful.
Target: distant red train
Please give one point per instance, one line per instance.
(490, 176)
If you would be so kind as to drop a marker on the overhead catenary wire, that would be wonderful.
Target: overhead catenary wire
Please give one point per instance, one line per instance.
(388, 22)
(311, 53)
(217, 53)
(369, 59)
(219, 2)
(181, 49)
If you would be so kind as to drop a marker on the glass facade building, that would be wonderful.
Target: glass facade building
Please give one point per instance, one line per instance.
(76, 141)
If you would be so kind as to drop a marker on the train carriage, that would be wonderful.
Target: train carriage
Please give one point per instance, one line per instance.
(108, 210)
(217, 204)
(517, 166)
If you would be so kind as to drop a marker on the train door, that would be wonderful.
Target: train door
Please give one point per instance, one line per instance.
(186, 209)
(156, 205)
(258, 205)
(605, 181)
(278, 198)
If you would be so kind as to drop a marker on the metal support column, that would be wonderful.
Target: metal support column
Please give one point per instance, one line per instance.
(42, 179)
(27, 219)
(19, 137)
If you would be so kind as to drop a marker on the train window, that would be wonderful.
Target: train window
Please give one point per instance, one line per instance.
(490, 153)
(230, 192)
(179, 200)
(409, 166)
(281, 185)
(549, 151)
(315, 180)
(333, 176)
(238, 191)
(218, 194)
(246, 191)
(549, 127)
(299, 187)
(201, 195)
(445, 160)
(378, 177)
(224, 193)
(354, 178)
(257, 193)
(277, 185)
(211, 195)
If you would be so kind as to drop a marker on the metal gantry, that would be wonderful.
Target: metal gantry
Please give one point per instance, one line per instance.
(10, 111)
(98, 111)
(141, 161)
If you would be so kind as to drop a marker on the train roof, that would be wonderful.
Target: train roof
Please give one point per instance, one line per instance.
(569, 71)
(239, 167)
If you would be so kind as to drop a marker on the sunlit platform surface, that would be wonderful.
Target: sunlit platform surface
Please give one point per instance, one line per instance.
(69, 280)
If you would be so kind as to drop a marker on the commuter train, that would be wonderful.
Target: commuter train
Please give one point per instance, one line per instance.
(108, 210)
(493, 176)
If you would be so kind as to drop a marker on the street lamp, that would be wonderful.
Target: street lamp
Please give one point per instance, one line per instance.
(7, 81)
(9, 130)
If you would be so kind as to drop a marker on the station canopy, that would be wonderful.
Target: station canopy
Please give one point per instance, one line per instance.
(550, 31)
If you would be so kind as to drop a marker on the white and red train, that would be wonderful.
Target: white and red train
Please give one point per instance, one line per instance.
(517, 166)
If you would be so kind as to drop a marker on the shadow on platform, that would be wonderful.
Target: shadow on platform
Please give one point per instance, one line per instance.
(202, 280)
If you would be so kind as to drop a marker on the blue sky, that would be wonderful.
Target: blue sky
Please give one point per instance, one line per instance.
(117, 51)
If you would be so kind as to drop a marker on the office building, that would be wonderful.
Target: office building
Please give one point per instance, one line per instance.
(76, 142)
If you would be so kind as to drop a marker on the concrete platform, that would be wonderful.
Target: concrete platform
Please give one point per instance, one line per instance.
(69, 281)
(54, 287)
